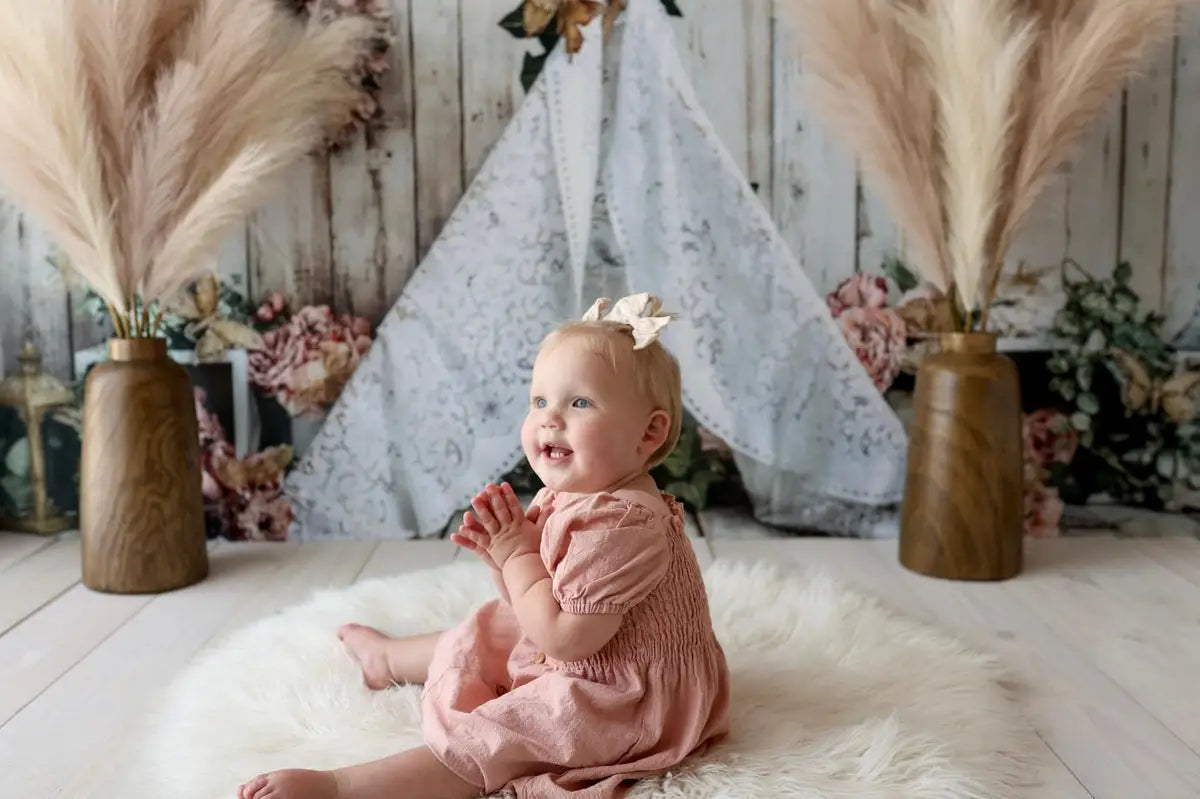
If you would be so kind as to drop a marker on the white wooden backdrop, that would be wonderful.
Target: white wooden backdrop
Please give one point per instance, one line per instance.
(348, 229)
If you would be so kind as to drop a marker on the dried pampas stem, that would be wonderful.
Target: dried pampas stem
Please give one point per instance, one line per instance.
(976, 53)
(140, 131)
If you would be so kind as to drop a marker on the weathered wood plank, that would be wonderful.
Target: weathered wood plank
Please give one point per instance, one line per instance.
(1180, 555)
(438, 112)
(373, 213)
(1133, 619)
(1076, 708)
(240, 579)
(760, 61)
(290, 240)
(879, 238)
(49, 643)
(34, 295)
(395, 557)
(1148, 136)
(713, 41)
(31, 582)
(815, 186)
(15, 547)
(491, 78)
(1093, 201)
(1182, 272)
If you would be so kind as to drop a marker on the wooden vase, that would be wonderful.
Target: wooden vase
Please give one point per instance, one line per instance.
(141, 508)
(963, 512)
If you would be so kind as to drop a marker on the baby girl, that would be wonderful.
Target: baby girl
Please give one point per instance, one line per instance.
(598, 664)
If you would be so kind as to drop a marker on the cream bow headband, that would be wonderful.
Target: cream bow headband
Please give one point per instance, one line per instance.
(641, 312)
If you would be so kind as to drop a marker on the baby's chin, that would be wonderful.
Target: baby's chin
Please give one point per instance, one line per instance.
(561, 479)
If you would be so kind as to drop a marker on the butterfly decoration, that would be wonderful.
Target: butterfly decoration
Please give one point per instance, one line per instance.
(199, 308)
(1177, 396)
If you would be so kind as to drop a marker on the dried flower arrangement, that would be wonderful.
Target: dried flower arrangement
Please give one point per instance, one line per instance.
(1124, 394)
(533, 17)
(139, 132)
(961, 112)
(308, 356)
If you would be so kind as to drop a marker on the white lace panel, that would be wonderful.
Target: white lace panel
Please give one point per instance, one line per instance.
(764, 365)
(434, 410)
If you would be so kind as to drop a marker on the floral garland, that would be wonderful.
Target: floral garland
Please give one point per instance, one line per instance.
(369, 68)
(533, 18)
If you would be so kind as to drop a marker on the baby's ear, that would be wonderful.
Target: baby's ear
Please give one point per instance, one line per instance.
(658, 427)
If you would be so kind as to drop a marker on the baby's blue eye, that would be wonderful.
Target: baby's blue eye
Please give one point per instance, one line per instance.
(581, 403)
(539, 403)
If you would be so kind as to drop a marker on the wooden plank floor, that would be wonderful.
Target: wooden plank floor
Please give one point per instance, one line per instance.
(1105, 633)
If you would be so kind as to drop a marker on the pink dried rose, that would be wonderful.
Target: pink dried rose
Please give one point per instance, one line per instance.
(1043, 511)
(306, 362)
(858, 291)
(271, 308)
(877, 336)
(1049, 438)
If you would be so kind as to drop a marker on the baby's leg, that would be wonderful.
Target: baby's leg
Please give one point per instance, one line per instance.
(386, 660)
(414, 774)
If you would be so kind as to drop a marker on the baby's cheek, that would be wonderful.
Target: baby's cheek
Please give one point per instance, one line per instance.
(528, 438)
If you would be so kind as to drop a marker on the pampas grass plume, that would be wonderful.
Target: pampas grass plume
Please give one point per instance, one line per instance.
(140, 132)
(961, 111)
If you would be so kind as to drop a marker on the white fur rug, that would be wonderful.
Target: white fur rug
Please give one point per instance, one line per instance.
(834, 696)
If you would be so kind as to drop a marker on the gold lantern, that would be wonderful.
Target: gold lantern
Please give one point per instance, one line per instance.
(34, 397)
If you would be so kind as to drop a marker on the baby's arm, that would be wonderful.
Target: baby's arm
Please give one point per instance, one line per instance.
(561, 635)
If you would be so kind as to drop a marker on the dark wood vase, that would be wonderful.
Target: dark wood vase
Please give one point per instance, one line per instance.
(141, 509)
(963, 512)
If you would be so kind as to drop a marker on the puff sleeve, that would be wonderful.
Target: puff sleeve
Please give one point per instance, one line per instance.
(605, 555)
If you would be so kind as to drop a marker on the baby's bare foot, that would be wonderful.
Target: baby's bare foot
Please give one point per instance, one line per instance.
(291, 784)
(369, 647)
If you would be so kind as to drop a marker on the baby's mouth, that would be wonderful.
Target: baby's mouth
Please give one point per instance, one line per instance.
(555, 453)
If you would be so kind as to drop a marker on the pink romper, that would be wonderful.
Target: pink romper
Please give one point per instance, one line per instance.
(498, 712)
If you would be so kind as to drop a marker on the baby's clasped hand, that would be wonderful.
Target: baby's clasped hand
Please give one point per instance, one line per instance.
(510, 531)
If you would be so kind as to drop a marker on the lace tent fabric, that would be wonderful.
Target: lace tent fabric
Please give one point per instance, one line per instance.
(640, 196)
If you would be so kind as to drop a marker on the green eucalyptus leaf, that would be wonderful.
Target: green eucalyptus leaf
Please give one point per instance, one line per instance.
(1081, 421)
(514, 21)
(1083, 376)
(1088, 403)
(1068, 325)
(1122, 273)
(1067, 391)
(1096, 342)
(896, 270)
(1058, 364)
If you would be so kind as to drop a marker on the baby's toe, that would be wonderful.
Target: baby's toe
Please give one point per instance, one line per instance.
(248, 790)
